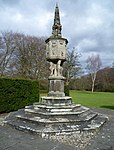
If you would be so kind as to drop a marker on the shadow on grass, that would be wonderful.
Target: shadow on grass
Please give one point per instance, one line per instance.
(109, 107)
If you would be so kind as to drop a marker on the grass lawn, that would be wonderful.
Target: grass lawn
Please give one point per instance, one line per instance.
(96, 99)
(88, 99)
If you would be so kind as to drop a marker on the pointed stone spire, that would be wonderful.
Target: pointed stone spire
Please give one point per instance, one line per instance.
(56, 29)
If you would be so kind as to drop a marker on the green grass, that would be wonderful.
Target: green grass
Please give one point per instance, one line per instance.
(96, 99)
(88, 99)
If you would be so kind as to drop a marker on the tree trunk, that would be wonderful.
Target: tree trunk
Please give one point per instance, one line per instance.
(67, 79)
(93, 81)
(93, 84)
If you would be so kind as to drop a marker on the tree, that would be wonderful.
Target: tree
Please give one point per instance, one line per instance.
(7, 48)
(106, 78)
(23, 56)
(72, 65)
(113, 65)
(93, 65)
(31, 56)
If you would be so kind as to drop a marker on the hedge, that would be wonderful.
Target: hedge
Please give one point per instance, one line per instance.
(17, 93)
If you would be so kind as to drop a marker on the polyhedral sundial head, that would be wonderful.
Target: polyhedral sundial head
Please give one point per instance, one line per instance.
(56, 49)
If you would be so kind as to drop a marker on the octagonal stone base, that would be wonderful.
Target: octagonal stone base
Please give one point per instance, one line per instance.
(59, 119)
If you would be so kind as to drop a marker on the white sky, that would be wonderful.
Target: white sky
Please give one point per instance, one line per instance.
(87, 24)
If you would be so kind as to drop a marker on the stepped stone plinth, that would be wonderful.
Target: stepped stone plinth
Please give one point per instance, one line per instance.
(56, 114)
(47, 120)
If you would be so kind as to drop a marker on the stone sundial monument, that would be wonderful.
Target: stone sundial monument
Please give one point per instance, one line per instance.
(56, 47)
(56, 115)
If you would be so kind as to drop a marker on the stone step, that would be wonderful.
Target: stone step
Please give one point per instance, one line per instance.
(96, 123)
(37, 106)
(57, 112)
(51, 108)
(38, 119)
(56, 100)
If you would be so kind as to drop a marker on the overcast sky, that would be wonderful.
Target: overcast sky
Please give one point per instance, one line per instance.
(87, 24)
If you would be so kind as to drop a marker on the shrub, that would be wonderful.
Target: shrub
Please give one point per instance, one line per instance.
(17, 93)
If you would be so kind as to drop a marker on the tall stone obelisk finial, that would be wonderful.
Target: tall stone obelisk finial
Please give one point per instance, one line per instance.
(56, 29)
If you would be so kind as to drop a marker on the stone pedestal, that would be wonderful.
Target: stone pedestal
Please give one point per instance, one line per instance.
(56, 86)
